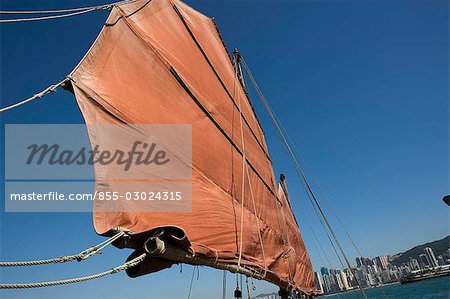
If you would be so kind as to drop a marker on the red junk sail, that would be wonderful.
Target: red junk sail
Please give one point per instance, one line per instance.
(162, 62)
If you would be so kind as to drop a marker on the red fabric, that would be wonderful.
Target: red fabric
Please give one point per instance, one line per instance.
(126, 78)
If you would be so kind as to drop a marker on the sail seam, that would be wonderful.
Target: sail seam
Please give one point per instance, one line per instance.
(214, 121)
(205, 110)
(246, 93)
(202, 107)
(218, 78)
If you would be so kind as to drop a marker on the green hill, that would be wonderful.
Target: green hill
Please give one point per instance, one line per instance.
(439, 247)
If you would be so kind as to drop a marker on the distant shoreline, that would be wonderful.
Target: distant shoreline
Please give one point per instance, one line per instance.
(380, 286)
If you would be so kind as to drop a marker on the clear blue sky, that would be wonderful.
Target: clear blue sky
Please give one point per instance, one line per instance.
(361, 86)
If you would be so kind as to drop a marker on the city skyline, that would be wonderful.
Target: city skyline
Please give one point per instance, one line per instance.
(376, 271)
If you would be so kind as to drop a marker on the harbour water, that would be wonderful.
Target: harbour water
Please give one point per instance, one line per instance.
(436, 288)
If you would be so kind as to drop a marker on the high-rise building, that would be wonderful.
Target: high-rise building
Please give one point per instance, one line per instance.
(381, 261)
(370, 279)
(385, 277)
(431, 257)
(344, 280)
(424, 261)
(324, 271)
(351, 279)
(441, 260)
(373, 270)
(326, 283)
(414, 264)
(319, 283)
(339, 284)
(361, 277)
(358, 262)
(367, 262)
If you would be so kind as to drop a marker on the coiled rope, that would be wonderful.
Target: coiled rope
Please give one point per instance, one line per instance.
(114, 270)
(68, 258)
(60, 13)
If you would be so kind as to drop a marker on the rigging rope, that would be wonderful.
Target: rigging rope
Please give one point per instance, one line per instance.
(242, 285)
(248, 289)
(51, 88)
(68, 258)
(322, 191)
(114, 270)
(243, 165)
(320, 188)
(300, 170)
(65, 12)
(22, 12)
(316, 243)
(253, 283)
(224, 285)
(315, 209)
(257, 223)
(334, 212)
(49, 17)
(192, 282)
(245, 168)
(326, 233)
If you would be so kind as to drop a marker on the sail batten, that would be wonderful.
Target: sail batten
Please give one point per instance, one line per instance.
(162, 62)
(221, 82)
(200, 104)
